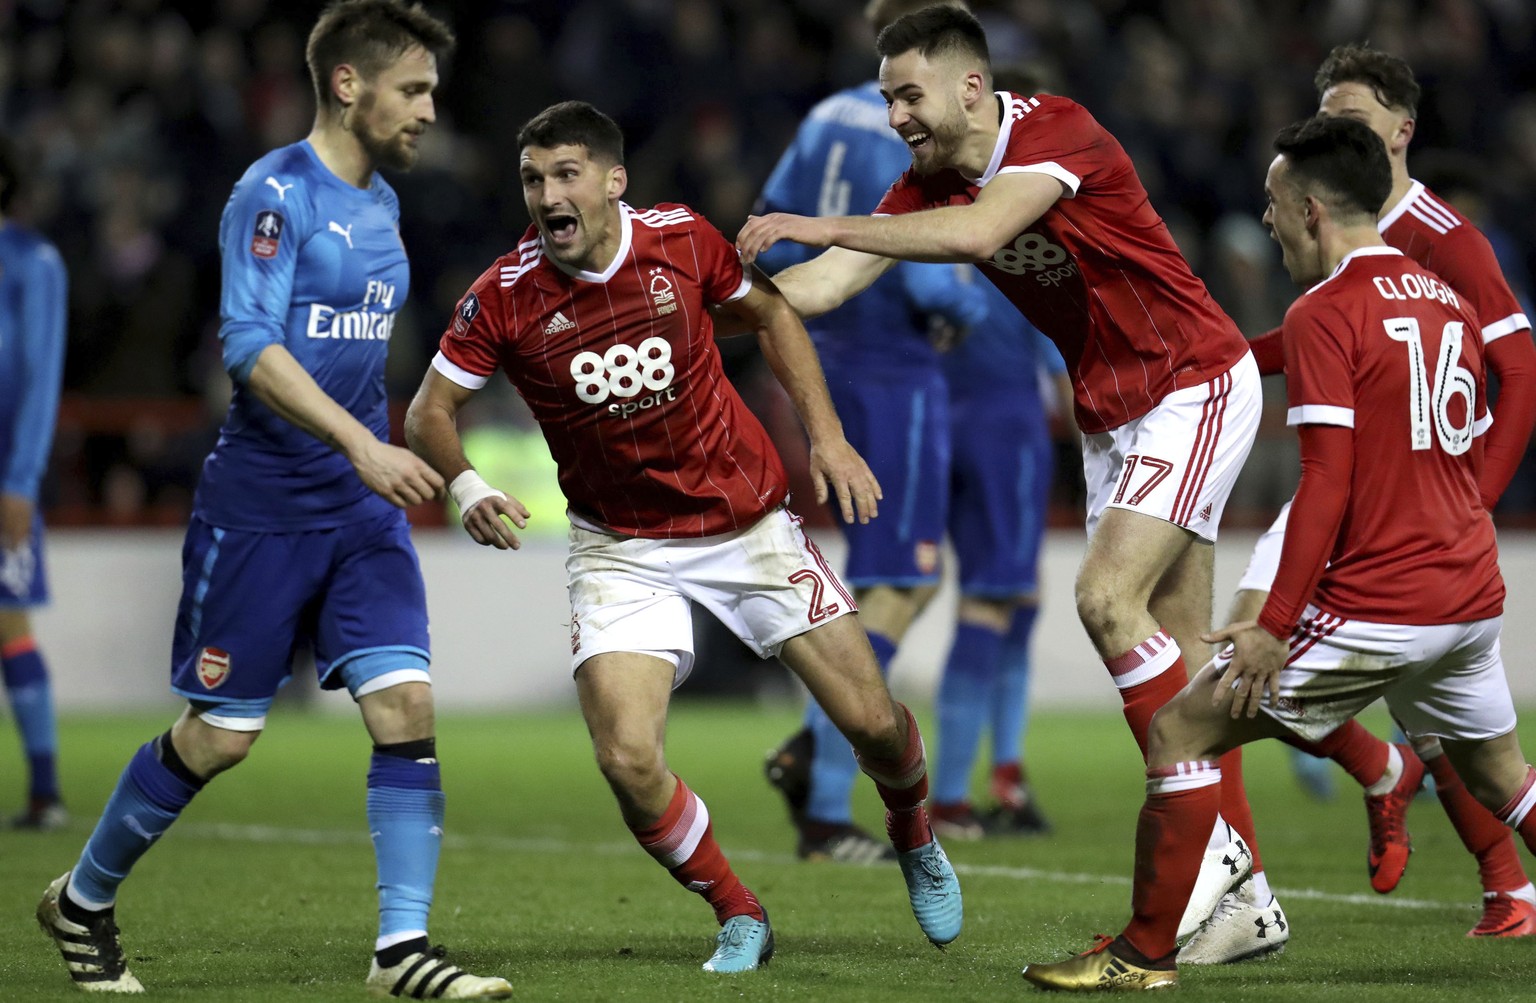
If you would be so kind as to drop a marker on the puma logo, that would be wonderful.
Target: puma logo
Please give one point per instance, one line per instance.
(281, 188)
(346, 232)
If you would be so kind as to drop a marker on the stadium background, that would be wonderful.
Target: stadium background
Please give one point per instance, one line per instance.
(135, 117)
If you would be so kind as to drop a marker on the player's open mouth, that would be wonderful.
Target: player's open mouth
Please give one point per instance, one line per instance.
(561, 228)
(917, 140)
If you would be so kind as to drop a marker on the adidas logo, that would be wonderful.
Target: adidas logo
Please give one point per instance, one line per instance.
(1205, 513)
(1117, 973)
(559, 322)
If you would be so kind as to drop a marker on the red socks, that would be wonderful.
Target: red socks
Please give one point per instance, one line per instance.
(1498, 862)
(1171, 834)
(1147, 677)
(1362, 755)
(903, 784)
(683, 841)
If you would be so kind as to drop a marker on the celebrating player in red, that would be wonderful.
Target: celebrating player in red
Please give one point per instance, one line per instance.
(1388, 587)
(1379, 89)
(1047, 204)
(600, 318)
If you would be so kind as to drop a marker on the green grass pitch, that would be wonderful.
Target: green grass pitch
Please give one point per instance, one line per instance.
(264, 889)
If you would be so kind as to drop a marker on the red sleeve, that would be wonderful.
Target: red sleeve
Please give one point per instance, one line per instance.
(1319, 344)
(470, 342)
(1464, 259)
(1327, 463)
(1512, 359)
(720, 272)
(1269, 352)
(1059, 137)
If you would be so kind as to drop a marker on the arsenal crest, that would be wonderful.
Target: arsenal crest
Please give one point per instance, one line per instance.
(212, 667)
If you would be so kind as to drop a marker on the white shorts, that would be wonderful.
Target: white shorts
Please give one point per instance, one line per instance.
(767, 583)
(1259, 576)
(1178, 462)
(1443, 681)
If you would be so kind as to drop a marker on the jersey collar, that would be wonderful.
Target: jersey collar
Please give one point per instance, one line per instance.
(626, 229)
(1359, 252)
(1004, 132)
(1392, 214)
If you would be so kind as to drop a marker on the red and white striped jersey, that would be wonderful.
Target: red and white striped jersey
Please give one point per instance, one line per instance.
(1430, 231)
(1388, 349)
(621, 371)
(1098, 273)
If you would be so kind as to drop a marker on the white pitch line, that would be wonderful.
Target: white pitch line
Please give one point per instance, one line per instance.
(451, 841)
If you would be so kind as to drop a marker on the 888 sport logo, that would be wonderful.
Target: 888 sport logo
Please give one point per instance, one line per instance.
(1038, 255)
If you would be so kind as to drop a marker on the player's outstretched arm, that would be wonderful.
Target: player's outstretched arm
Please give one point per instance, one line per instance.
(836, 468)
(829, 280)
(1009, 204)
(432, 430)
(392, 473)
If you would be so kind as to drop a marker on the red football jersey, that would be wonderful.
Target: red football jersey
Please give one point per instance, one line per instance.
(1099, 272)
(1441, 239)
(1385, 347)
(621, 371)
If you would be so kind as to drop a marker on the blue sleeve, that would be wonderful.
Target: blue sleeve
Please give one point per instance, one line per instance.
(1049, 355)
(44, 295)
(944, 290)
(258, 271)
(778, 196)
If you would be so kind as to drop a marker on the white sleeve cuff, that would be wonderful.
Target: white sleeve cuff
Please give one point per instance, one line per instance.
(1050, 168)
(1321, 414)
(463, 377)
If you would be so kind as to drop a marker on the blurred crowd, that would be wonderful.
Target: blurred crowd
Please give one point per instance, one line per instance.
(136, 116)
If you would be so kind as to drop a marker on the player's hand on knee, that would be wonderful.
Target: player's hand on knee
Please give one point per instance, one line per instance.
(397, 475)
(486, 521)
(1254, 671)
(837, 468)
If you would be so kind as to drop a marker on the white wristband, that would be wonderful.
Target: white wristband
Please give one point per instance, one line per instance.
(469, 488)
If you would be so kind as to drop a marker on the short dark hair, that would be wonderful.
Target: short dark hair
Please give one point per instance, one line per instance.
(10, 175)
(369, 34)
(881, 14)
(1341, 161)
(935, 31)
(1389, 77)
(578, 124)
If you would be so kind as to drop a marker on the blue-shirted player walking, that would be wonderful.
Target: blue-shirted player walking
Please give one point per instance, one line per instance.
(887, 384)
(297, 532)
(1000, 477)
(33, 301)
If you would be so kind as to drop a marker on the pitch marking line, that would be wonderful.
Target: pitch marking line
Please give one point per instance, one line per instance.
(338, 837)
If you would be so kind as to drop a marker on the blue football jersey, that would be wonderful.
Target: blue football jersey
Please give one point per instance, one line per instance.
(33, 295)
(316, 265)
(843, 158)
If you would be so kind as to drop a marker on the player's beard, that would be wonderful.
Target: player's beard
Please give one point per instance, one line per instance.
(394, 151)
(944, 142)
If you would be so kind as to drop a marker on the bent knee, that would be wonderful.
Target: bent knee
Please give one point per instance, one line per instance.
(630, 766)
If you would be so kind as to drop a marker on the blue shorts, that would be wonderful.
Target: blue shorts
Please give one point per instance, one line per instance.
(23, 583)
(899, 423)
(1001, 477)
(250, 599)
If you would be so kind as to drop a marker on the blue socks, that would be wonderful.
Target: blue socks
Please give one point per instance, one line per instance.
(31, 695)
(833, 768)
(150, 795)
(1010, 700)
(965, 700)
(405, 819)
